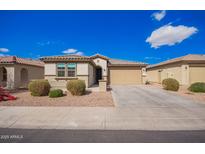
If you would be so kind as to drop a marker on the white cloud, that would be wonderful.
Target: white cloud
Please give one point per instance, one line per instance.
(79, 53)
(4, 50)
(70, 51)
(170, 35)
(159, 15)
(73, 51)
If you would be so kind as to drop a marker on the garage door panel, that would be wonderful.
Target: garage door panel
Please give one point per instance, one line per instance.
(194, 74)
(125, 75)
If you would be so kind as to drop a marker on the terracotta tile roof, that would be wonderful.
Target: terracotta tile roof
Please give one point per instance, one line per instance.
(18, 60)
(118, 62)
(65, 57)
(113, 62)
(188, 58)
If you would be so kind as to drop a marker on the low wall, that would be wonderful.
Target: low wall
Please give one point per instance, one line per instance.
(102, 85)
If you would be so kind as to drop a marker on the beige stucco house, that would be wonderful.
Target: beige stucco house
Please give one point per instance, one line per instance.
(91, 69)
(187, 69)
(16, 72)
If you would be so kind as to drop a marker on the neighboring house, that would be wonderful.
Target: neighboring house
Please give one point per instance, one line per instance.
(60, 69)
(16, 72)
(187, 69)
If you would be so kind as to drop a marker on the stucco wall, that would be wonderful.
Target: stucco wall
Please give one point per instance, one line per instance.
(170, 71)
(82, 73)
(50, 69)
(153, 75)
(103, 64)
(10, 76)
(180, 72)
(197, 74)
(185, 75)
(56, 84)
(14, 79)
(91, 79)
(61, 83)
(82, 69)
(33, 73)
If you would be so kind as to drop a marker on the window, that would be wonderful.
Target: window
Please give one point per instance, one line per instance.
(66, 70)
(71, 67)
(61, 70)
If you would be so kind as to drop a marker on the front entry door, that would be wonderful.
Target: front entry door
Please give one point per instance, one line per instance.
(98, 74)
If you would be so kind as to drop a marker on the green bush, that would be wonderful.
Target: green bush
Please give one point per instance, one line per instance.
(197, 87)
(76, 87)
(39, 87)
(170, 84)
(55, 93)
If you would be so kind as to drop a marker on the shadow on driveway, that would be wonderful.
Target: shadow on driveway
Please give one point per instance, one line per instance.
(99, 136)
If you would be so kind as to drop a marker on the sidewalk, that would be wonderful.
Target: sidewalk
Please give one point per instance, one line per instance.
(102, 118)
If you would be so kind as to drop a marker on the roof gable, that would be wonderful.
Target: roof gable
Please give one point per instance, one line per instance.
(99, 56)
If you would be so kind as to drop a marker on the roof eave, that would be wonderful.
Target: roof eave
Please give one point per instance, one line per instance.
(67, 60)
(195, 61)
(180, 61)
(133, 65)
(7, 63)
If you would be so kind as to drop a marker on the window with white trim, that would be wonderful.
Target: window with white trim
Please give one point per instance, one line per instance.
(71, 69)
(66, 70)
(61, 70)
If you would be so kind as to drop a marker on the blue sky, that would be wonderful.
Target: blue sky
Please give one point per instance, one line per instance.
(147, 36)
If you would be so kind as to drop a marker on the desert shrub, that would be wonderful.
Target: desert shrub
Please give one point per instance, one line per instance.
(147, 82)
(170, 84)
(76, 87)
(55, 93)
(39, 87)
(197, 87)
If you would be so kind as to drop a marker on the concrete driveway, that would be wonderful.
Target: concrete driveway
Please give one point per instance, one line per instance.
(142, 96)
(157, 109)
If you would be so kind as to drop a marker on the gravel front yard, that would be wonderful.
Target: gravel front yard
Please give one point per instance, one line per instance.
(195, 96)
(92, 99)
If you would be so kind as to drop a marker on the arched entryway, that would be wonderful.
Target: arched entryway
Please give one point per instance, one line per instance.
(3, 76)
(98, 74)
(24, 77)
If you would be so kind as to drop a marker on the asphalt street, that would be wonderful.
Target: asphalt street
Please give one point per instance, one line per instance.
(99, 136)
